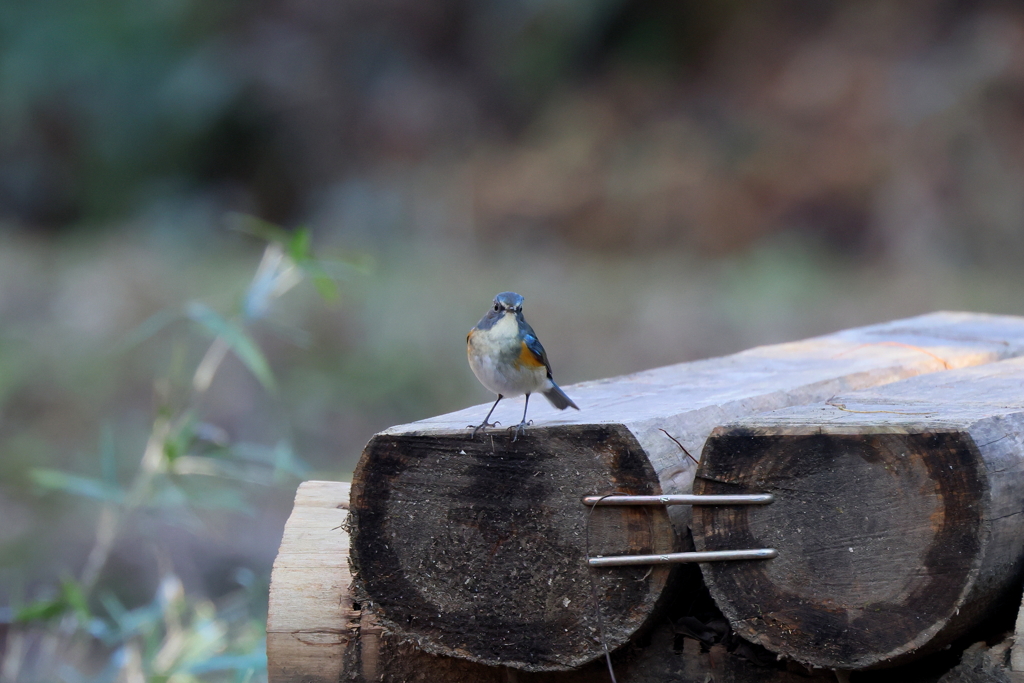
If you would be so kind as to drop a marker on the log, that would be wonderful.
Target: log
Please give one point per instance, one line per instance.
(898, 519)
(318, 604)
(310, 617)
(476, 548)
(316, 634)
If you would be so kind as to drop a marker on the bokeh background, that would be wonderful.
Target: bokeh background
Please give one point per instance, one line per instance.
(663, 180)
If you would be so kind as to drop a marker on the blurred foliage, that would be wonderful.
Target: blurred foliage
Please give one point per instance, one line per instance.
(187, 468)
(889, 132)
(103, 99)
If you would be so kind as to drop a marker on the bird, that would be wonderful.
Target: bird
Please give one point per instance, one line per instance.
(506, 356)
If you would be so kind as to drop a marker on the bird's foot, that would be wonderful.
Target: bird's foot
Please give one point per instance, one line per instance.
(520, 429)
(483, 425)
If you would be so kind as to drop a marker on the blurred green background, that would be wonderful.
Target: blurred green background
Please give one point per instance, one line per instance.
(662, 180)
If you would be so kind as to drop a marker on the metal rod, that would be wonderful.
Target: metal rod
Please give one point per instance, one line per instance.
(736, 499)
(679, 558)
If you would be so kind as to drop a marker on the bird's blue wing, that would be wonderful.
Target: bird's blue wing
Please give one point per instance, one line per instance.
(536, 349)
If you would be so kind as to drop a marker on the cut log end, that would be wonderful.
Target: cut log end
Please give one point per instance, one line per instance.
(476, 548)
(878, 539)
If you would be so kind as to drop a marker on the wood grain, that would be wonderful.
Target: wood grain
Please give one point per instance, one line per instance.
(311, 618)
(898, 517)
(445, 526)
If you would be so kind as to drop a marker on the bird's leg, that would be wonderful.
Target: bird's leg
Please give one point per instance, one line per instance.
(485, 424)
(521, 427)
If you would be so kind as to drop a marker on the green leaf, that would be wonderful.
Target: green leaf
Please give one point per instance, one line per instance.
(127, 623)
(327, 288)
(41, 610)
(114, 607)
(180, 439)
(74, 597)
(300, 245)
(71, 599)
(323, 282)
(236, 338)
(58, 480)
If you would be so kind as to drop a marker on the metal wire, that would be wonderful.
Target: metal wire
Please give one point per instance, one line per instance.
(683, 499)
(680, 558)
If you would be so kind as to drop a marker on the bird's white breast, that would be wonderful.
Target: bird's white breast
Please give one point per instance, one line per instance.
(494, 358)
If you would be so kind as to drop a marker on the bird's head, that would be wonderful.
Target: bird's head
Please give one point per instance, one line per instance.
(508, 301)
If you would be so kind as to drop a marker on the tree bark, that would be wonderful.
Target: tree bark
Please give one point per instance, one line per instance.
(476, 548)
(897, 519)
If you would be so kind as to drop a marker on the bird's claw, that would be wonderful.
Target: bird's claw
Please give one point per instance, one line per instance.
(520, 429)
(483, 425)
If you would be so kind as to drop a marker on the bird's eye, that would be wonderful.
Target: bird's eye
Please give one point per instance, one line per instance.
(497, 307)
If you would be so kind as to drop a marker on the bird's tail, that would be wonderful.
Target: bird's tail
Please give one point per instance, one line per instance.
(558, 398)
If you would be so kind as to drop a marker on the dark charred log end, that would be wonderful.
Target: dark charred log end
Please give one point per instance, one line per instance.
(476, 548)
(878, 535)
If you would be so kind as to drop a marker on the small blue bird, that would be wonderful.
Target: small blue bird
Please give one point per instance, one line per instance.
(507, 358)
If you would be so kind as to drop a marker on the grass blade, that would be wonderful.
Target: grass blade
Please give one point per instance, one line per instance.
(236, 338)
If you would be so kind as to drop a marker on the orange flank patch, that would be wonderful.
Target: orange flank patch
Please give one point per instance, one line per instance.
(528, 358)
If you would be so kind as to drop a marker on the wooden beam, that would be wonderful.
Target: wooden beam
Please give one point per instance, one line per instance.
(898, 517)
(476, 548)
(311, 618)
(365, 654)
